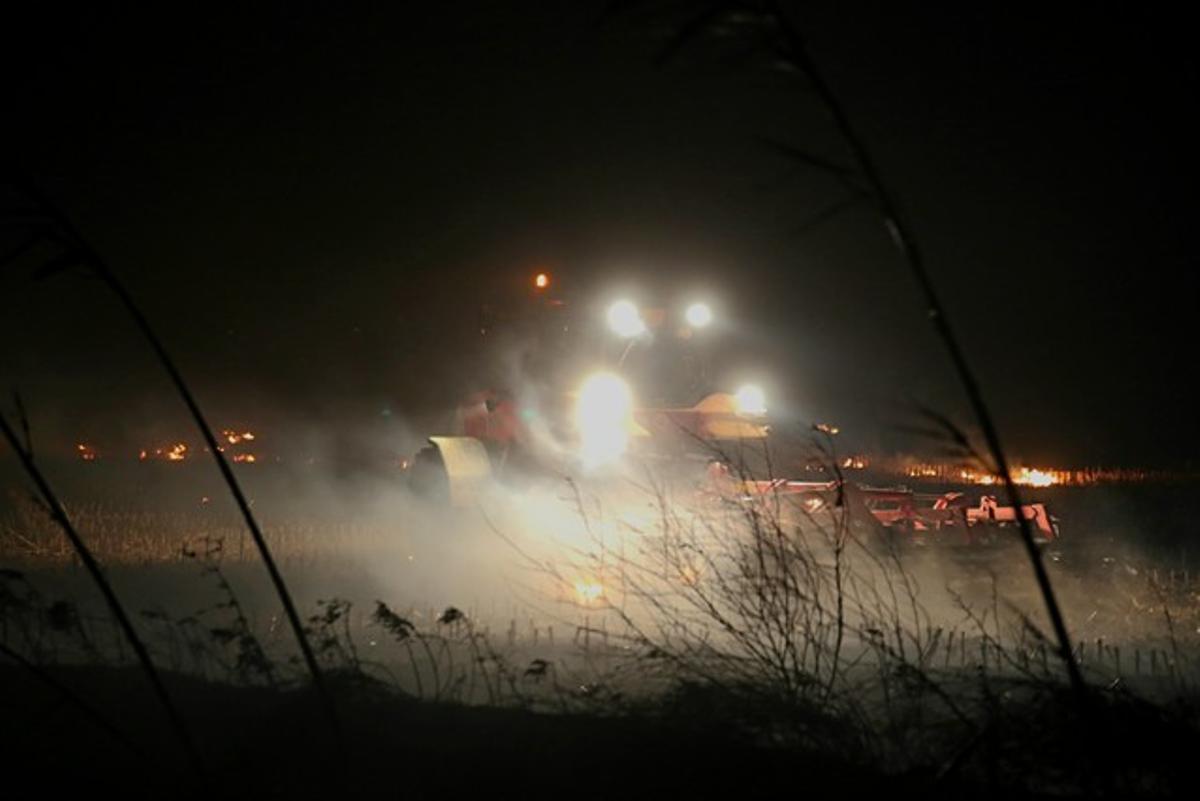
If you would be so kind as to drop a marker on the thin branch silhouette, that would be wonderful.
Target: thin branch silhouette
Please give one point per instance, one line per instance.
(59, 514)
(788, 46)
(77, 252)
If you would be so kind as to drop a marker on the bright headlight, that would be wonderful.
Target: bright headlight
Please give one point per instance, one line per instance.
(624, 319)
(699, 315)
(751, 399)
(603, 416)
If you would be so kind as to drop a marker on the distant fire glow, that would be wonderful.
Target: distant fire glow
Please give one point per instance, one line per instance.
(952, 472)
(1034, 477)
(230, 438)
(1021, 476)
(233, 437)
(86, 452)
(173, 453)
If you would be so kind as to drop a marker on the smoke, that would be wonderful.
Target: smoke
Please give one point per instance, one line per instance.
(343, 521)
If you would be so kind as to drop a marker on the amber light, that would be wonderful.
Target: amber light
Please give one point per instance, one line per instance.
(541, 280)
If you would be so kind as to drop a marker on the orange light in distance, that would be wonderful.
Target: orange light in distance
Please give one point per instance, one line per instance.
(541, 280)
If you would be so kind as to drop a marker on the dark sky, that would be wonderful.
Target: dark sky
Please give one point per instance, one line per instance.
(312, 206)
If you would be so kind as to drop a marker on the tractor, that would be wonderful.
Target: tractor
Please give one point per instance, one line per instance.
(543, 426)
(546, 423)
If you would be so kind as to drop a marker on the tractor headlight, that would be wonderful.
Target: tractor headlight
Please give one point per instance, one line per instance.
(625, 320)
(603, 417)
(699, 315)
(750, 399)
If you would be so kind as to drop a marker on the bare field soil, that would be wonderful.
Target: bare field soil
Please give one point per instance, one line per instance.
(553, 644)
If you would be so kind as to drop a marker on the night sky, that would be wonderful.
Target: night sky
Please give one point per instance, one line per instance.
(312, 206)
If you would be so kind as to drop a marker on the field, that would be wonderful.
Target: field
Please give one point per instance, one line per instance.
(530, 622)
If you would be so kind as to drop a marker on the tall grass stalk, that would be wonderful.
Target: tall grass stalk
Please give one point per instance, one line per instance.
(59, 514)
(77, 252)
(788, 48)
